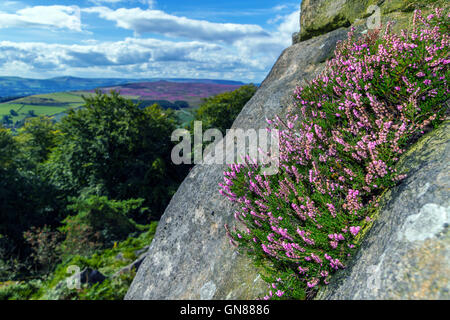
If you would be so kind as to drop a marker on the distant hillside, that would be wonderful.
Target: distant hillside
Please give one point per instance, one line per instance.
(184, 97)
(20, 87)
(192, 93)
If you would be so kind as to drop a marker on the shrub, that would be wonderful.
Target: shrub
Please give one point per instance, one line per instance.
(80, 239)
(100, 220)
(338, 152)
(19, 290)
(113, 146)
(106, 262)
(221, 110)
(44, 243)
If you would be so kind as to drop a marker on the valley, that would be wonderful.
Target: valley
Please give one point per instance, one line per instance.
(183, 97)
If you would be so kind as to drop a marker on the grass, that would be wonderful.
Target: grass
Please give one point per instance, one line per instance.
(56, 104)
(41, 105)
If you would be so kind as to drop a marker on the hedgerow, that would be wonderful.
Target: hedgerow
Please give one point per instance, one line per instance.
(338, 151)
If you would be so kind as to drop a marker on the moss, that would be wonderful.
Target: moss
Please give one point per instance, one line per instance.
(409, 161)
(292, 220)
(323, 16)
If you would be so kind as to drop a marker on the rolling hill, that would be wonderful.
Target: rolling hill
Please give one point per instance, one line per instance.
(20, 87)
(184, 97)
(192, 93)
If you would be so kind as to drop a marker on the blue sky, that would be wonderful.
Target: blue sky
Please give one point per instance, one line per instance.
(236, 40)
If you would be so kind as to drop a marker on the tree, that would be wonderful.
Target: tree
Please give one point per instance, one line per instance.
(37, 138)
(221, 110)
(25, 199)
(7, 120)
(31, 114)
(8, 149)
(113, 148)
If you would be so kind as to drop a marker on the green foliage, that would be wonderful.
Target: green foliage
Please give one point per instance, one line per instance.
(111, 219)
(19, 290)
(106, 261)
(338, 153)
(69, 190)
(8, 149)
(44, 245)
(220, 111)
(37, 138)
(113, 148)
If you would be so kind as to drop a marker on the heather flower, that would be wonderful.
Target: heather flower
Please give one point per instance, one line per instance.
(280, 293)
(313, 283)
(355, 230)
(338, 151)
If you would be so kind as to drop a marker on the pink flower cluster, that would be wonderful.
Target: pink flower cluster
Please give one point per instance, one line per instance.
(338, 152)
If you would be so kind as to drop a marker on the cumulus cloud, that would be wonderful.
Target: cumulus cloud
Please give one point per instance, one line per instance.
(59, 17)
(266, 50)
(150, 3)
(233, 53)
(159, 22)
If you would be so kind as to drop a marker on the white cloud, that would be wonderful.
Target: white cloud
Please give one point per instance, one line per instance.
(60, 17)
(267, 50)
(232, 54)
(159, 22)
(150, 3)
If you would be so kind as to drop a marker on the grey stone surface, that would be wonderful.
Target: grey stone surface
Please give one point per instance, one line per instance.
(134, 265)
(406, 253)
(87, 276)
(322, 16)
(190, 257)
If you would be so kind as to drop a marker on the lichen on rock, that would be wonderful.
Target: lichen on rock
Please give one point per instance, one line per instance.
(322, 16)
(406, 253)
(190, 253)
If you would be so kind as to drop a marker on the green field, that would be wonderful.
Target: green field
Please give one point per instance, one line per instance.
(55, 104)
(41, 105)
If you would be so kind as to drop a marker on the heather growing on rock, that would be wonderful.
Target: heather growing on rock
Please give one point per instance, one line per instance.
(338, 151)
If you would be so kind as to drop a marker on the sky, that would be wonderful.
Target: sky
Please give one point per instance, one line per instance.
(228, 39)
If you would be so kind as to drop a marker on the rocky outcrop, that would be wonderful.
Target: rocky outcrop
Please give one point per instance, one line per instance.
(406, 253)
(322, 16)
(87, 276)
(190, 257)
(134, 266)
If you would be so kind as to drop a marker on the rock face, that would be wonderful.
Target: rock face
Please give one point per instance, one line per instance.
(406, 253)
(190, 257)
(321, 16)
(87, 276)
(132, 266)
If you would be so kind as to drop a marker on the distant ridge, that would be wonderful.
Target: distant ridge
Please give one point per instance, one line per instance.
(17, 86)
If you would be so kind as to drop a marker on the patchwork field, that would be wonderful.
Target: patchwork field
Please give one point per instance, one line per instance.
(183, 97)
(40, 105)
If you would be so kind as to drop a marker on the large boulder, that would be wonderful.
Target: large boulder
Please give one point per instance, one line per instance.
(190, 256)
(322, 16)
(406, 253)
